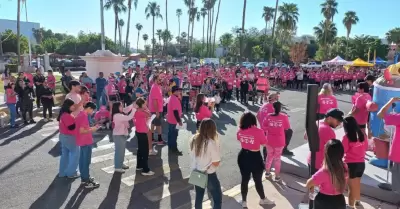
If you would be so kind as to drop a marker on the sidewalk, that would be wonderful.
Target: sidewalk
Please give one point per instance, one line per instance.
(287, 195)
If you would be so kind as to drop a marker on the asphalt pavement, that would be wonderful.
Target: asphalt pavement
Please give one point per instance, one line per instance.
(30, 159)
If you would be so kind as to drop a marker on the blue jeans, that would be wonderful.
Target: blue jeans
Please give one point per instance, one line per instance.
(120, 145)
(100, 99)
(172, 136)
(84, 162)
(13, 113)
(69, 159)
(214, 188)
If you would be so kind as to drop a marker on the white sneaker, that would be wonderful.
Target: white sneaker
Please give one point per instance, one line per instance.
(150, 173)
(119, 170)
(266, 201)
(46, 120)
(244, 204)
(152, 152)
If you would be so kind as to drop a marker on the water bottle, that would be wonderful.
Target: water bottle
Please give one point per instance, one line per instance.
(312, 195)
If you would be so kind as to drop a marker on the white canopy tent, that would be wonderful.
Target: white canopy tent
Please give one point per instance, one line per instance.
(337, 61)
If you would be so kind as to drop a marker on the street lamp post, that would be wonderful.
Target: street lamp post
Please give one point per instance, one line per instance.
(103, 45)
(29, 37)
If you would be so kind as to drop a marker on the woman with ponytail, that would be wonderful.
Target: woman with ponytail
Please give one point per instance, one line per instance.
(330, 178)
(275, 125)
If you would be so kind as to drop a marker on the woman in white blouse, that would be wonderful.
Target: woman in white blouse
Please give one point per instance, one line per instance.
(205, 155)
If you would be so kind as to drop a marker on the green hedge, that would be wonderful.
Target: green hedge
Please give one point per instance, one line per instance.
(13, 68)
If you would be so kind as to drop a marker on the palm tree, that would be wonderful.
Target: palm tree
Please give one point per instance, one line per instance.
(189, 4)
(325, 34)
(271, 48)
(118, 7)
(329, 9)
(135, 2)
(145, 38)
(350, 19)
(209, 5)
(179, 14)
(19, 31)
(153, 10)
(121, 24)
(158, 33)
(203, 12)
(215, 26)
(166, 37)
(139, 28)
(166, 14)
(194, 15)
(243, 21)
(289, 16)
(268, 14)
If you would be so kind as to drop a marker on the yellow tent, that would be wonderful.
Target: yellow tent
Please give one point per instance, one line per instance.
(361, 63)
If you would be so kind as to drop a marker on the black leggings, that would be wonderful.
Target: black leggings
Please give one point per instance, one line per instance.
(47, 108)
(251, 164)
(323, 201)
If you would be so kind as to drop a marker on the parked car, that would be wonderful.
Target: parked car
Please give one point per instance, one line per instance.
(311, 65)
(247, 65)
(262, 64)
(281, 65)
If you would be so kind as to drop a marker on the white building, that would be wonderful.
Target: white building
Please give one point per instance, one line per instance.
(26, 28)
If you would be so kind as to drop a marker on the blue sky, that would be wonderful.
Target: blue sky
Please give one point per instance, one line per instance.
(376, 17)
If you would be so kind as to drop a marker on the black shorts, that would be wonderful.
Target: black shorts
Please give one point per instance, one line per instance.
(113, 97)
(356, 170)
(323, 201)
(157, 120)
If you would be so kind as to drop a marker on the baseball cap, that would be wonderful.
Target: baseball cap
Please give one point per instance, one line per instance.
(175, 88)
(335, 113)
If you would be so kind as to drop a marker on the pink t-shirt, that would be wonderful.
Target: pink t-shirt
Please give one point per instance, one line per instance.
(82, 121)
(394, 120)
(264, 110)
(361, 104)
(204, 112)
(121, 122)
(102, 115)
(155, 94)
(251, 138)
(323, 179)
(326, 103)
(11, 99)
(173, 104)
(354, 152)
(325, 133)
(121, 86)
(140, 119)
(275, 127)
(51, 81)
(66, 120)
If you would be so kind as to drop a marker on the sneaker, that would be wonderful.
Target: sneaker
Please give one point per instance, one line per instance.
(358, 203)
(150, 173)
(45, 120)
(244, 204)
(161, 143)
(278, 178)
(139, 169)
(26, 123)
(266, 201)
(32, 121)
(119, 170)
(76, 175)
(268, 175)
(91, 184)
(125, 167)
(50, 119)
(152, 152)
(286, 152)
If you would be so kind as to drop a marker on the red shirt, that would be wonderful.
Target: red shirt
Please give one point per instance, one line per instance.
(82, 121)
(66, 120)
(173, 104)
(11, 99)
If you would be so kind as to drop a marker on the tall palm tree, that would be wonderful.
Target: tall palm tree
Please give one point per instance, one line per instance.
(19, 31)
(329, 9)
(118, 7)
(194, 15)
(271, 48)
(145, 38)
(121, 24)
(166, 37)
(158, 34)
(325, 34)
(135, 2)
(268, 14)
(350, 19)
(166, 14)
(179, 14)
(139, 27)
(203, 12)
(243, 21)
(153, 10)
(189, 4)
(215, 26)
(289, 16)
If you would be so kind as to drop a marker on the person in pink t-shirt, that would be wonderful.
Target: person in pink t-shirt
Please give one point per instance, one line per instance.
(330, 178)
(11, 102)
(84, 139)
(275, 125)
(266, 108)
(174, 117)
(355, 145)
(250, 160)
(359, 110)
(156, 105)
(326, 101)
(201, 110)
(51, 81)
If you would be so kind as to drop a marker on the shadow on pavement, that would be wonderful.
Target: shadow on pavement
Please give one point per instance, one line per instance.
(54, 196)
(78, 197)
(110, 201)
(21, 135)
(183, 196)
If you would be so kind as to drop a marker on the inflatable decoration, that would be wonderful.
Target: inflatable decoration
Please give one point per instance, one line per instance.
(385, 87)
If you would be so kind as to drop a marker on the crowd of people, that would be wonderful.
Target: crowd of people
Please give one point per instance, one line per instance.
(142, 98)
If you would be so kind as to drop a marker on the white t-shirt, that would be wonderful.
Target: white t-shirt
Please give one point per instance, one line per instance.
(77, 99)
(211, 154)
(299, 75)
(6, 80)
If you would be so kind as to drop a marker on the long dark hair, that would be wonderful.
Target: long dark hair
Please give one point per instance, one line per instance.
(115, 109)
(352, 130)
(277, 108)
(65, 108)
(333, 163)
(199, 102)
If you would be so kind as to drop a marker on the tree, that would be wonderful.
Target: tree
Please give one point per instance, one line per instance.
(121, 24)
(203, 12)
(350, 19)
(9, 42)
(153, 10)
(393, 35)
(38, 34)
(158, 34)
(166, 37)
(135, 2)
(257, 52)
(271, 48)
(118, 7)
(215, 26)
(298, 52)
(243, 21)
(147, 49)
(179, 14)
(166, 14)
(194, 15)
(189, 4)
(50, 45)
(289, 16)
(226, 40)
(329, 9)
(325, 33)
(139, 27)
(268, 14)
(145, 38)
(19, 32)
